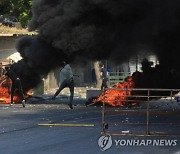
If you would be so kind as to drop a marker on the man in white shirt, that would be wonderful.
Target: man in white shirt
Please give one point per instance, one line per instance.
(66, 72)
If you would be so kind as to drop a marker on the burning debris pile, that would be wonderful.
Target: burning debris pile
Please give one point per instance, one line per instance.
(115, 96)
(81, 30)
(146, 79)
(5, 91)
(8, 87)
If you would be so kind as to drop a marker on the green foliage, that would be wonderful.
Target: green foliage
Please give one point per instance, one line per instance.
(24, 19)
(19, 8)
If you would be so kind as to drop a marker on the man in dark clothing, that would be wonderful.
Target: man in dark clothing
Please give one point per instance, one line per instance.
(104, 74)
(1, 69)
(16, 83)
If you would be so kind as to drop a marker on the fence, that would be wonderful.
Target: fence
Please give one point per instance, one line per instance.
(116, 77)
(155, 113)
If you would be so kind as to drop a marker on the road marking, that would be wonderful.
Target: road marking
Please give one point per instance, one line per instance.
(68, 125)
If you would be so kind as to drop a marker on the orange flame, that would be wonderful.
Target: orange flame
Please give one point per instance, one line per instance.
(5, 92)
(115, 97)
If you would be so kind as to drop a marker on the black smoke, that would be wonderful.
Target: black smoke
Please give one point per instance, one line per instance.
(97, 30)
(156, 77)
(37, 60)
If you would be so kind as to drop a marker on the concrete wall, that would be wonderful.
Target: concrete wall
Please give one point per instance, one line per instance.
(7, 47)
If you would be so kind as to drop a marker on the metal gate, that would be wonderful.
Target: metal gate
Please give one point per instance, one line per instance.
(117, 77)
(155, 112)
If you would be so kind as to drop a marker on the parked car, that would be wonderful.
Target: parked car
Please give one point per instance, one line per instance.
(8, 20)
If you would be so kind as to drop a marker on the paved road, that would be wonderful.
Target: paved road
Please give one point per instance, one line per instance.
(20, 133)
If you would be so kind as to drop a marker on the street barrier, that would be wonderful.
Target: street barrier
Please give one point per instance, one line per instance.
(154, 109)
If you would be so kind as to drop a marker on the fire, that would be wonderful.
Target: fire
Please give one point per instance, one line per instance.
(5, 95)
(115, 97)
(5, 92)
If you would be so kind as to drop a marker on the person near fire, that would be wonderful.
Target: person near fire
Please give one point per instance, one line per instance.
(104, 77)
(16, 84)
(1, 73)
(1, 70)
(67, 75)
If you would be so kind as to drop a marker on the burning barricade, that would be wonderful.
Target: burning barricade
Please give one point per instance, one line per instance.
(115, 96)
(5, 91)
(5, 84)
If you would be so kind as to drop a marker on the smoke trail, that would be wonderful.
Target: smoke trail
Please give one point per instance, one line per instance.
(101, 29)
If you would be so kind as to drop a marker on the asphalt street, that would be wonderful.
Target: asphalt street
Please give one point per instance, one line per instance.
(20, 131)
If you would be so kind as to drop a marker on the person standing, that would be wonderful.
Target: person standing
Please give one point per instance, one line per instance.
(104, 78)
(1, 70)
(16, 83)
(67, 81)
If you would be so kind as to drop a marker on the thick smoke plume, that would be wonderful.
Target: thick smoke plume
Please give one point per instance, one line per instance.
(99, 29)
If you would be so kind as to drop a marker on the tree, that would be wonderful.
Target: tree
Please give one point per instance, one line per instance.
(18, 8)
